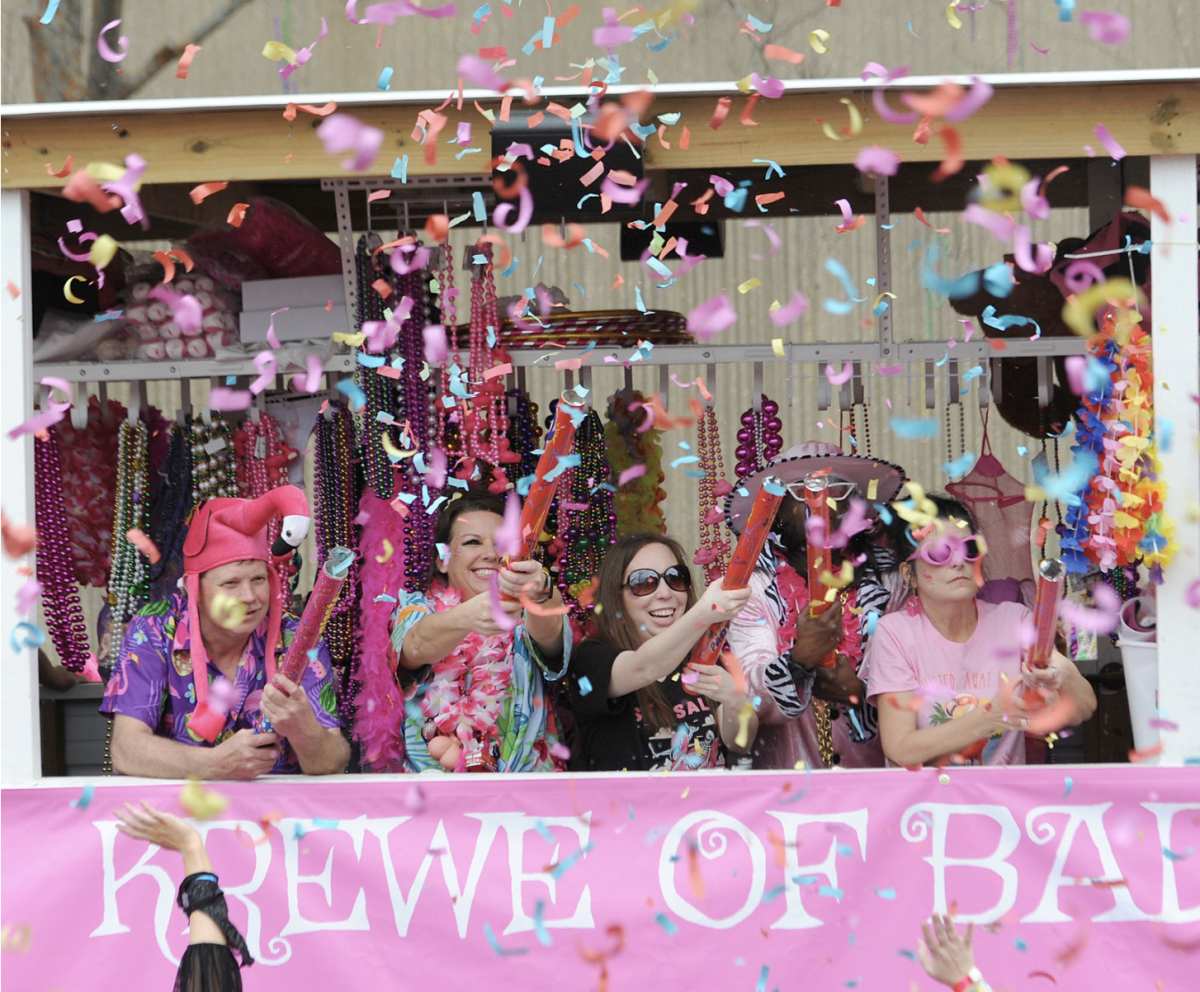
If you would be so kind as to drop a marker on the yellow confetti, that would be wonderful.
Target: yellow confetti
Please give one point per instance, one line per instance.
(749, 284)
(1078, 310)
(873, 489)
(856, 122)
(952, 17)
(105, 172)
(839, 581)
(819, 39)
(227, 611)
(393, 452)
(777, 347)
(276, 50)
(202, 803)
(1004, 183)
(745, 85)
(71, 297)
(685, 792)
(16, 938)
(387, 552)
(880, 297)
(353, 340)
(103, 251)
(743, 734)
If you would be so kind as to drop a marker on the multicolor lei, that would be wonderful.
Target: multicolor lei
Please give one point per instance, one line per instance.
(1120, 519)
(468, 686)
(794, 590)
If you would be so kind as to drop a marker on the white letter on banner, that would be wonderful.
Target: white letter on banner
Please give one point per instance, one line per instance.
(1047, 910)
(797, 917)
(713, 821)
(1171, 911)
(517, 827)
(357, 920)
(111, 923)
(262, 862)
(1010, 836)
(403, 908)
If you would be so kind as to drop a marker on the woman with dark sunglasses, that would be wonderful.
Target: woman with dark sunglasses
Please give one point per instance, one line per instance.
(946, 672)
(627, 683)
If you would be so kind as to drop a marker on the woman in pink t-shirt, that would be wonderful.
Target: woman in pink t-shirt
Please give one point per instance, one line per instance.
(944, 672)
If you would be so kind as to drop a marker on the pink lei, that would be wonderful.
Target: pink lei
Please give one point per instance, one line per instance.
(469, 685)
(794, 591)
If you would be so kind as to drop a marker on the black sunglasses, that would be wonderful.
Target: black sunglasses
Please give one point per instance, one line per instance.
(644, 581)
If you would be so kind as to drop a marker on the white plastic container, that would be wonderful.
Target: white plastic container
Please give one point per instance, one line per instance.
(1141, 684)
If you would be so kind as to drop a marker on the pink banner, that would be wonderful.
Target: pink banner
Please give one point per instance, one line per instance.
(1082, 877)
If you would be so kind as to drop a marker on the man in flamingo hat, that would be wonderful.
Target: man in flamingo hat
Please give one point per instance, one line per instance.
(171, 721)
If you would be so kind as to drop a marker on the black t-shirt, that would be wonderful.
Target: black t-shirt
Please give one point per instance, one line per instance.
(610, 732)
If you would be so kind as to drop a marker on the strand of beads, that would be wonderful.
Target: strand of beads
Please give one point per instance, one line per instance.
(127, 580)
(760, 439)
(448, 302)
(370, 267)
(170, 504)
(524, 432)
(591, 519)
(55, 564)
(713, 553)
(631, 444)
(213, 471)
(334, 527)
(262, 460)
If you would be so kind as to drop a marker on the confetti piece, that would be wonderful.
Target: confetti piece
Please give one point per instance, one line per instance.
(495, 944)
(64, 171)
(819, 41)
(140, 540)
(783, 315)
(344, 133)
(85, 799)
(277, 51)
(876, 160)
(51, 10)
(185, 61)
(1139, 199)
(202, 803)
(837, 378)
(103, 251)
(749, 284)
(1111, 145)
(721, 112)
(666, 923)
(782, 53)
(237, 214)
(103, 48)
(914, 428)
(711, 318)
(205, 190)
(854, 128)
(1106, 28)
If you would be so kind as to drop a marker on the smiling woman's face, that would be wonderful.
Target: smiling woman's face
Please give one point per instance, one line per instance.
(654, 613)
(473, 558)
(945, 583)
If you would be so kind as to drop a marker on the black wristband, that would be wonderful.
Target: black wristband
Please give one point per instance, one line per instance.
(200, 893)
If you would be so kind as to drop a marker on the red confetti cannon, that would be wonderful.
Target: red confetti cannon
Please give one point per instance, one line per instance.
(1045, 611)
(817, 505)
(541, 490)
(317, 613)
(741, 565)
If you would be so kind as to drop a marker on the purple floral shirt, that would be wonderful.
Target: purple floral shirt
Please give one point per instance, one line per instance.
(153, 680)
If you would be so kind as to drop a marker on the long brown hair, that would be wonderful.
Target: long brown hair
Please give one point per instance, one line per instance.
(614, 629)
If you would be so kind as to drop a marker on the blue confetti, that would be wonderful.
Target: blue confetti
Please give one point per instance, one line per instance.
(491, 939)
(321, 823)
(89, 790)
(665, 922)
(350, 389)
(762, 979)
(885, 893)
(960, 466)
(1166, 434)
(539, 925)
(1172, 856)
(51, 10)
(568, 862)
(510, 268)
(872, 621)
(298, 830)
(30, 636)
(1020, 945)
(914, 428)
(845, 850)
(911, 955)
(758, 25)
(585, 685)
(385, 79)
(400, 169)
(831, 891)
(544, 832)
(478, 206)
(1068, 785)
(772, 166)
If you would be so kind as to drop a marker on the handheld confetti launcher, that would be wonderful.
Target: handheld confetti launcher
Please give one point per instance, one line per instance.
(817, 506)
(318, 611)
(1051, 573)
(541, 490)
(741, 566)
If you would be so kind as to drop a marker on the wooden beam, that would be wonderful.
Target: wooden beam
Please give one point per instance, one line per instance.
(257, 144)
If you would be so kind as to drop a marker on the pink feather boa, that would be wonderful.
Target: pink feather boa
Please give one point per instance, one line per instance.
(379, 708)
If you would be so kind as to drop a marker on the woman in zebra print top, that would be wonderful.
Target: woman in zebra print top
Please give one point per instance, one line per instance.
(808, 713)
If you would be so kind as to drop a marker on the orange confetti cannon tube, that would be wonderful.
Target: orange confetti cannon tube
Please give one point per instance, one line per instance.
(817, 506)
(741, 565)
(541, 490)
(317, 613)
(1051, 573)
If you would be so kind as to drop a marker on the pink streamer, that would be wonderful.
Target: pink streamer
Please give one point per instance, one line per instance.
(222, 398)
(1111, 145)
(85, 257)
(503, 210)
(1032, 202)
(1106, 28)
(616, 192)
(28, 595)
(476, 71)
(769, 230)
(769, 87)
(507, 539)
(1000, 227)
(631, 473)
(105, 51)
(979, 94)
(890, 369)
(436, 347)
(790, 311)
(312, 379)
(837, 378)
(1022, 251)
(39, 422)
(711, 317)
(881, 161)
(388, 13)
(847, 211)
(185, 309)
(1081, 273)
(343, 133)
(503, 620)
(265, 364)
(126, 189)
(722, 186)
